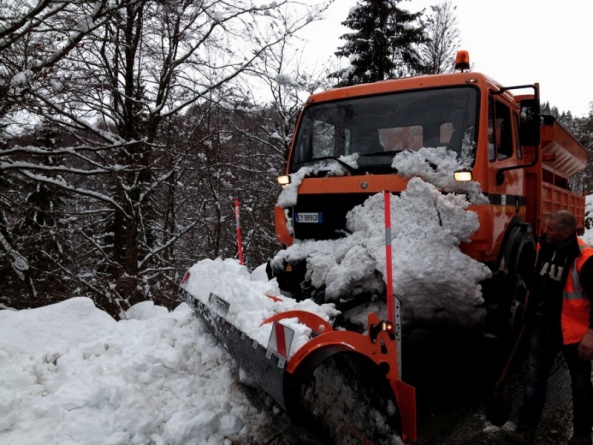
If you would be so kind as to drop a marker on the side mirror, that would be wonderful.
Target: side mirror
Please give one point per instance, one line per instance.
(529, 130)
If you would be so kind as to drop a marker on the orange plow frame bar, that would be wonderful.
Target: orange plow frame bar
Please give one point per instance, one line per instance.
(382, 350)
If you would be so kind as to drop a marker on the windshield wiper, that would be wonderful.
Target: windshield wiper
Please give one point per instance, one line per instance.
(331, 158)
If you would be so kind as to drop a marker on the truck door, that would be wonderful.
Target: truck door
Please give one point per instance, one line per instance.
(507, 198)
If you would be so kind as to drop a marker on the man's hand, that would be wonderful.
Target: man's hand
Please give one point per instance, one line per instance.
(585, 349)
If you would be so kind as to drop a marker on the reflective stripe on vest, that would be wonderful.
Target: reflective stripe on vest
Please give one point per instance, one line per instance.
(576, 307)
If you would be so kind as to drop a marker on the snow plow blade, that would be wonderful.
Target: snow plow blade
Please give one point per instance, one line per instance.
(267, 370)
(319, 375)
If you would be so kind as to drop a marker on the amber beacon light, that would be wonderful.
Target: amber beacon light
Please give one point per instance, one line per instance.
(462, 61)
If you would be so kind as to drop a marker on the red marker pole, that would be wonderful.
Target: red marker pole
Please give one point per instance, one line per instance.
(239, 242)
(393, 309)
(388, 258)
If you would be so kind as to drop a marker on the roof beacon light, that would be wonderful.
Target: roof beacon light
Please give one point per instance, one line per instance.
(462, 61)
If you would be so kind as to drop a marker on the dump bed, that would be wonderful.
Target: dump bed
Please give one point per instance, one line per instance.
(562, 153)
(562, 157)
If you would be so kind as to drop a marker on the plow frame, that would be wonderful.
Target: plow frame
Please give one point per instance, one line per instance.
(379, 348)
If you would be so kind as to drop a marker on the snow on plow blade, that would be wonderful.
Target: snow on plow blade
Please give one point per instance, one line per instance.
(265, 368)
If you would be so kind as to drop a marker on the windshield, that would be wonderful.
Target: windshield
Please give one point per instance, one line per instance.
(377, 127)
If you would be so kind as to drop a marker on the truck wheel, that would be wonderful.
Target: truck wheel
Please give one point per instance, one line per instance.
(518, 305)
(348, 401)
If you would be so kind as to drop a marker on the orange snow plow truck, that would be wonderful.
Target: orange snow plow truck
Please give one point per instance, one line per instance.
(524, 163)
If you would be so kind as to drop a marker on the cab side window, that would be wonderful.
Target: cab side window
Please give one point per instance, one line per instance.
(500, 131)
(518, 147)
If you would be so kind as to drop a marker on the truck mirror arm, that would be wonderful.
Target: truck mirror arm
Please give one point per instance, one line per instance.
(500, 172)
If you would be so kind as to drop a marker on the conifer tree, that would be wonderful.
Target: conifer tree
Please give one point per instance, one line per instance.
(382, 44)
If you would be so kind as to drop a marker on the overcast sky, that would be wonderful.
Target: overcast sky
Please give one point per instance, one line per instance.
(514, 41)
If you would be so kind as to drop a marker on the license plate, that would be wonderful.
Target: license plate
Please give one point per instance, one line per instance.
(309, 217)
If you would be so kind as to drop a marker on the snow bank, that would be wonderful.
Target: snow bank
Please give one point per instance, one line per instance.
(71, 374)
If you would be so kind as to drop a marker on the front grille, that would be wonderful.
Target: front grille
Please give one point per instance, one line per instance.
(332, 209)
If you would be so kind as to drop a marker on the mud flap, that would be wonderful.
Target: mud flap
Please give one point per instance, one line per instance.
(264, 369)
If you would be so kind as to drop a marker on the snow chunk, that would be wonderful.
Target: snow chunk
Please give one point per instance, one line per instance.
(20, 78)
(285, 79)
(437, 165)
(331, 167)
(144, 311)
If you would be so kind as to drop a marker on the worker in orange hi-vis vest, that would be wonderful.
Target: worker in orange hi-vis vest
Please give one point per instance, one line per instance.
(560, 316)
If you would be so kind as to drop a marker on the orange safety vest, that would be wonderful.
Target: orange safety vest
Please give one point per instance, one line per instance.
(576, 307)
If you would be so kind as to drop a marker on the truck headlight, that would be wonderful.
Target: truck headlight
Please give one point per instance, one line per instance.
(284, 180)
(463, 175)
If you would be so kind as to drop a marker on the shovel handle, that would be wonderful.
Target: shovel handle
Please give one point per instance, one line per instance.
(511, 357)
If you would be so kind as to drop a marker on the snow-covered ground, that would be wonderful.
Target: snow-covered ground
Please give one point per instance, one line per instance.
(70, 374)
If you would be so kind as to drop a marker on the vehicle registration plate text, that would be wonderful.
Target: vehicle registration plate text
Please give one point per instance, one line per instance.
(309, 217)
